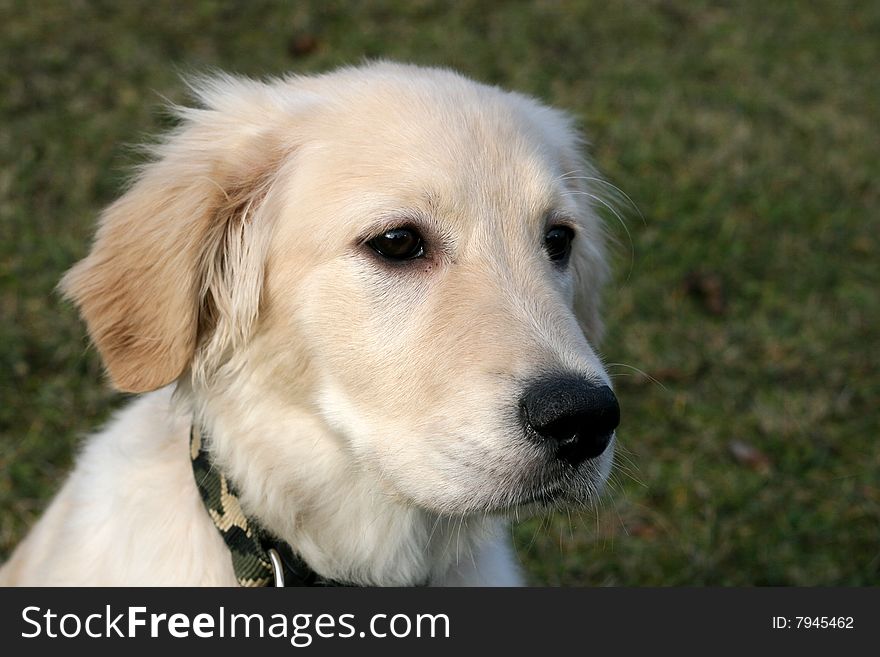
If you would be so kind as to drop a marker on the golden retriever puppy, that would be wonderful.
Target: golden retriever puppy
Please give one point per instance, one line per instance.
(361, 308)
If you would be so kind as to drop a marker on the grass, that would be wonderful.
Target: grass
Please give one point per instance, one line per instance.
(743, 317)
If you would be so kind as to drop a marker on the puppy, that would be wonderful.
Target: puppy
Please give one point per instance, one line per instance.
(361, 308)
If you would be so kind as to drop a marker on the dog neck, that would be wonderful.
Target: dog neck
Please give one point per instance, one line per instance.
(258, 558)
(299, 482)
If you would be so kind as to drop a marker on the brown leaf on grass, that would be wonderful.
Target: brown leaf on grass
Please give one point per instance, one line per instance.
(749, 456)
(708, 289)
(302, 44)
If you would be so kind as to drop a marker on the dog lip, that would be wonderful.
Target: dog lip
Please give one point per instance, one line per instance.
(545, 496)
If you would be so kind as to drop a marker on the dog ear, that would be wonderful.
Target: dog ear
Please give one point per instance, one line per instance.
(145, 289)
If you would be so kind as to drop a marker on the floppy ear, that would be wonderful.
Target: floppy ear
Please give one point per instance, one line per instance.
(146, 286)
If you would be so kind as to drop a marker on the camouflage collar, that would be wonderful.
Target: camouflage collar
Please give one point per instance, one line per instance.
(259, 559)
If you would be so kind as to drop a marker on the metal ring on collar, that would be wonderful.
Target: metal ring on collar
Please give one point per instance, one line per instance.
(277, 568)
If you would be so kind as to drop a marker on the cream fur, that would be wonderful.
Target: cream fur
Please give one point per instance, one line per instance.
(366, 412)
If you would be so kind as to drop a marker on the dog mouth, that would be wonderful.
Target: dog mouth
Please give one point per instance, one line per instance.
(559, 489)
(549, 496)
(538, 483)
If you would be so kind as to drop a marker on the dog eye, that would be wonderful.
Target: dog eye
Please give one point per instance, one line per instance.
(557, 243)
(398, 244)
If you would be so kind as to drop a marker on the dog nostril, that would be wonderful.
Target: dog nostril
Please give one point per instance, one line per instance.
(574, 415)
(580, 436)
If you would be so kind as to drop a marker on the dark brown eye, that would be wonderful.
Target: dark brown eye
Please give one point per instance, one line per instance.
(398, 244)
(557, 243)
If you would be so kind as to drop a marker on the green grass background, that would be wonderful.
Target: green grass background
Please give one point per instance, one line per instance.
(743, 315)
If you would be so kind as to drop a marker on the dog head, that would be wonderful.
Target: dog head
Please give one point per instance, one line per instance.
(410, 257)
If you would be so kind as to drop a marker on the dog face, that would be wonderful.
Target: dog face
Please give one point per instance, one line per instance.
(409, 255)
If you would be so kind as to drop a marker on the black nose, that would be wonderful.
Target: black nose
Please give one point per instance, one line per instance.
(576, 416)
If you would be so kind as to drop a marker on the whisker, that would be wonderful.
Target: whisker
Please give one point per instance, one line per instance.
(639, 371)
(617, 190)
(612, 210)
